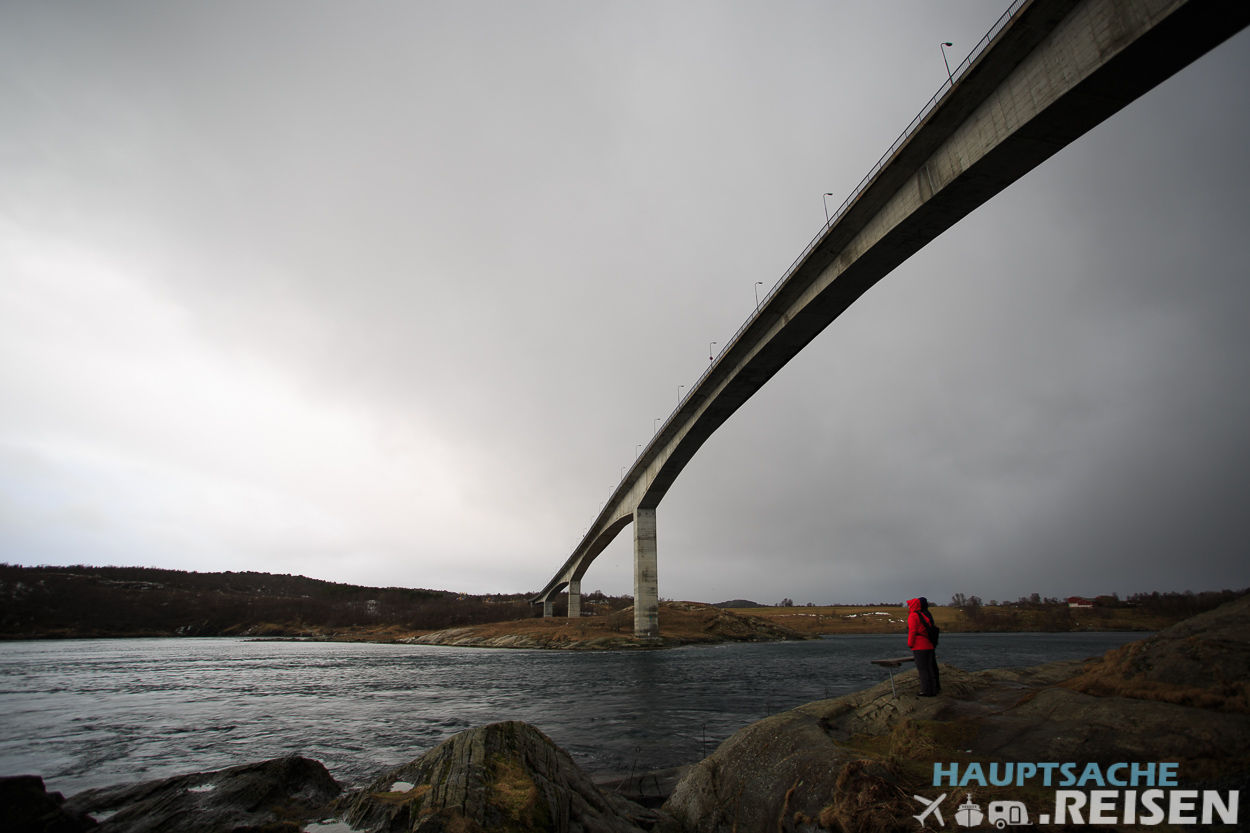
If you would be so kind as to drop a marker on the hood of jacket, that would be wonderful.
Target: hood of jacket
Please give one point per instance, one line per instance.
(913, 605)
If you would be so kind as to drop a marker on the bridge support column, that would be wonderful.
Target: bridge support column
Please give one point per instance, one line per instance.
(646, 581)
(575, 598)
(547, 612)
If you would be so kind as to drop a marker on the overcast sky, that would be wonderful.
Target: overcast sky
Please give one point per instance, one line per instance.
(388, 293)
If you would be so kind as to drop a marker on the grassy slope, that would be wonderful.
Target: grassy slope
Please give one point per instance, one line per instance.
(850, 619)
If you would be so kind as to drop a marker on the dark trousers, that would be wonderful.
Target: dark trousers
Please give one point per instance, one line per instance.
(926, 666)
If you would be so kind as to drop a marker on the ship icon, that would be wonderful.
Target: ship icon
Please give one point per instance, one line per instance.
(969, 814)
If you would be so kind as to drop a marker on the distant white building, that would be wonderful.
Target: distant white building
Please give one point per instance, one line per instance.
(1079, 601)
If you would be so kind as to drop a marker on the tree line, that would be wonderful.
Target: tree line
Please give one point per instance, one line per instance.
(116, 601)
(1055, 614)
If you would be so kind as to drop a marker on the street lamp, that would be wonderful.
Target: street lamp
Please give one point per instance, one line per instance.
(637, 450)
(709, 351)
(654, 423)
(826, 202)
(950, 77)
(758, 284)
(679, 387)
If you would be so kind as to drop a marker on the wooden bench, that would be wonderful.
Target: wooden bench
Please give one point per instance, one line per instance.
(889, 664)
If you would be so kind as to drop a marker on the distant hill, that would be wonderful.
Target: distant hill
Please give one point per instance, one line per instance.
(739, 603)
(82, 601)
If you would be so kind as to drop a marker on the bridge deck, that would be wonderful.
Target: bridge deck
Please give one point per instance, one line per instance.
(1045, 74)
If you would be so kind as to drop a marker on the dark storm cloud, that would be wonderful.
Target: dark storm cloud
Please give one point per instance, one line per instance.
(390, 295)
(1050, 398)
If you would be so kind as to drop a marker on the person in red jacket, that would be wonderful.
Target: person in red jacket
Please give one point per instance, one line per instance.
(921, 635)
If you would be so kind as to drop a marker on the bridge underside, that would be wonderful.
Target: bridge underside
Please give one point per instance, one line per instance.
(1055, 71)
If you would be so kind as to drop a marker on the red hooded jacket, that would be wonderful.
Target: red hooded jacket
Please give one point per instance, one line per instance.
(917, 636)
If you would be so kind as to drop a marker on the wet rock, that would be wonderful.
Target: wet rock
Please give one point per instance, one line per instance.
(275, 796)
(26, 806)
(823, 764)
(507, 777)
(650, 789)
(764, 774)
(471, 638)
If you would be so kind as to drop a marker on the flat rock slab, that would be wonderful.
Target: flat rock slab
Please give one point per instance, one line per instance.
(276, 796)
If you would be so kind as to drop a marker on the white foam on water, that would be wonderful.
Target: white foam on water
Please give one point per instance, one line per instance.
(328, 827)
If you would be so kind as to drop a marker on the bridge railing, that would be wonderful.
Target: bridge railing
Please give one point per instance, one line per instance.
(928, 108)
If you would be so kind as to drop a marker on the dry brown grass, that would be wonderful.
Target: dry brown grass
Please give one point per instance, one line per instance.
(1113, 676)
(865, 802)
(693, 622)
(909, 742)
(514, 792)
(868, 619)
(821, 620)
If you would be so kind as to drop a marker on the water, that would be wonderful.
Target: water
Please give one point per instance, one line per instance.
(88, 713)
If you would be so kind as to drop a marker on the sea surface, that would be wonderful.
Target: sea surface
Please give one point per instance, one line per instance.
(89, 713)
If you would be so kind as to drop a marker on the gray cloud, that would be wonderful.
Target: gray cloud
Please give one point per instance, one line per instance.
(390, 296)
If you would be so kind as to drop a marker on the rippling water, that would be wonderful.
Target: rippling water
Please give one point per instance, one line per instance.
(87, 713)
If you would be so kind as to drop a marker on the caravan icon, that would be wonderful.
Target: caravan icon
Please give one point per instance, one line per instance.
(1003, 813)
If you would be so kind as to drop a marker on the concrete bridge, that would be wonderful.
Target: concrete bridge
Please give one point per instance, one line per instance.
(1047, 72)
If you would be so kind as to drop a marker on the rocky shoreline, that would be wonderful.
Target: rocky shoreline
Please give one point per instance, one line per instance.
(849, 763)
(681, 623)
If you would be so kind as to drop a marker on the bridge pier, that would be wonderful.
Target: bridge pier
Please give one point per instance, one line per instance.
(547, 605)
(575, 598)
(646, 581)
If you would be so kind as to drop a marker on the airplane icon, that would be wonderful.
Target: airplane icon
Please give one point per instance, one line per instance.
(930, 807)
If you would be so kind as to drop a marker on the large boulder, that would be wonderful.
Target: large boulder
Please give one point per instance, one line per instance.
(503, 778)
(26, 806)
(764, 776)
(275, 796)
(852, 763)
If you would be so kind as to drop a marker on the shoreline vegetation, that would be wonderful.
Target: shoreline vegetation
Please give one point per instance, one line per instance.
(83, 602)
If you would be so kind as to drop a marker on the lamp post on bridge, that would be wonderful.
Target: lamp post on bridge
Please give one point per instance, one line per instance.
(709, 351)
(679, 387)
(758, 284)
(949, 77)
(826, 202)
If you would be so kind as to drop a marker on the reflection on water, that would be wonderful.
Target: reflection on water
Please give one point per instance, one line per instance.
(87, 713)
